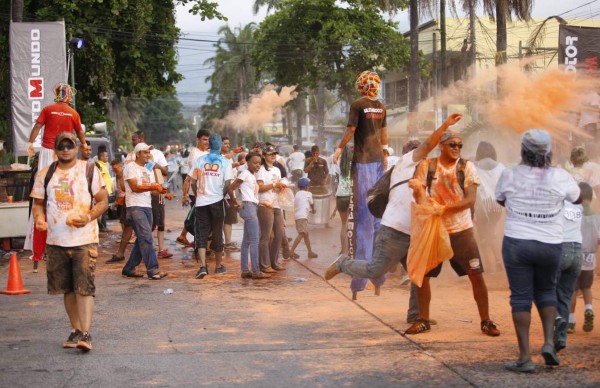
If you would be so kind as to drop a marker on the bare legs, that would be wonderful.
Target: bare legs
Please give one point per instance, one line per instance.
(80, 310)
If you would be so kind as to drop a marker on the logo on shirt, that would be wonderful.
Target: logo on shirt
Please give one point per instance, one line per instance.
(373, 113)
(63, 195)
(211, 169)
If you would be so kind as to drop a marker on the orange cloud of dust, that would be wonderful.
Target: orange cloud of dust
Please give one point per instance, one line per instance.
(260, 109)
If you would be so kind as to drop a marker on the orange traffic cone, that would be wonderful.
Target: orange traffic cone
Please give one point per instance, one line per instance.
(15, 283)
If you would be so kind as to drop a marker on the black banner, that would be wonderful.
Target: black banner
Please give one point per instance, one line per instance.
(579, 49)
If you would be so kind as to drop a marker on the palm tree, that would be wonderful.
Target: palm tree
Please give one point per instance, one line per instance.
(270, 4)
(233, 78)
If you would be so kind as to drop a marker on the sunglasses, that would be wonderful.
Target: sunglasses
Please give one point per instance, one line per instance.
(455, 145)
(65, 146)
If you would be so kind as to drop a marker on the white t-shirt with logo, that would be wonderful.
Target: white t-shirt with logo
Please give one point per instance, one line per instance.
(302, 202)
(68, 196)
(249, 187)
(210, 172)
(534, 200)
(195, 153)
(296, 161)
(143, 177)
(397, 212)
(573, 215)
(269, 197)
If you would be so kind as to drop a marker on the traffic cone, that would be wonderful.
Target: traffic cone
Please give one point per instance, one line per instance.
(15, 283)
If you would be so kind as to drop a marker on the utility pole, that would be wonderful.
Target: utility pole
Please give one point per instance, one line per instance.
(435, 78)
(473, 54)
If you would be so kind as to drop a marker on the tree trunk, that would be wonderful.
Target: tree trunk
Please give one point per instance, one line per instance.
(321, 115)
(443, 70)
(413, 80)
(299, 117)
(17, 11)
(501, 15)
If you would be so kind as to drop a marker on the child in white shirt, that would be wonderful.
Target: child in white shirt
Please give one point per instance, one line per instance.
(303, 203)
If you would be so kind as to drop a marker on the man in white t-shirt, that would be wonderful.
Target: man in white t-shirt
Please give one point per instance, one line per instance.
(72, 229)
(393, 237)
(201, 149)
(295, 163)
(140, 184)
(212, 173)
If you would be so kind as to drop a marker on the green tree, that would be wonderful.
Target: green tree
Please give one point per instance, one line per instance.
(331, 44)
(162, 120)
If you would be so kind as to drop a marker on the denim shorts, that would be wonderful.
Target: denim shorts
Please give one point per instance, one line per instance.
(532, 269)
(72, 269)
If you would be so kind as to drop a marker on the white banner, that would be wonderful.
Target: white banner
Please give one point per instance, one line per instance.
(37, 63)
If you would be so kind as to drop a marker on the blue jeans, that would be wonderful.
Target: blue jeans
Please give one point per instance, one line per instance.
(251, 236)
(143, 249)
(570, 267)
(531, 267)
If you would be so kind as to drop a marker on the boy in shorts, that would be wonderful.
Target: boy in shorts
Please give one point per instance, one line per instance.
(590, 233)
(303, 203)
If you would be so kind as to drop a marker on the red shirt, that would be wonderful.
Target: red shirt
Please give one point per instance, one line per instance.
(56, 118)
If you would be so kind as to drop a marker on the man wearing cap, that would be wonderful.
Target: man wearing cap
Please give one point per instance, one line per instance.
(140, 184)
(211, 175)
(367, 125)
(316, 168)
(452, 182)
(54, 118)
(65, 209)
(198, 151)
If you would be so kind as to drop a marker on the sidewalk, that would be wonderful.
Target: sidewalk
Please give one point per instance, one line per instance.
(294, 329)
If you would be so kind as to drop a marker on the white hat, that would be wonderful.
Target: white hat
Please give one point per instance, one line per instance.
(141, 147)
(390, 151)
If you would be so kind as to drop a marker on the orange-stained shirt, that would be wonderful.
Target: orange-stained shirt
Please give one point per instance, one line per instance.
(56, 118)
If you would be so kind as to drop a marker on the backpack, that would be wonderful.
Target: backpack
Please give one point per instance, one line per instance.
(89, 174)
(378, 196)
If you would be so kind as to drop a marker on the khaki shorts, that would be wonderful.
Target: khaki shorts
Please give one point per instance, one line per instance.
(72, 269)
(302, 225)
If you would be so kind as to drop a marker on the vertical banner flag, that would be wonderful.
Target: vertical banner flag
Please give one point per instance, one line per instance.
(579, 49)
(37, 63)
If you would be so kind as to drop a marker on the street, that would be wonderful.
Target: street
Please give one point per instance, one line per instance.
(294, 330)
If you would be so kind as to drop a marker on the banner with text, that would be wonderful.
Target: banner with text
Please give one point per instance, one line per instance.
(579, 49)
(37, 63)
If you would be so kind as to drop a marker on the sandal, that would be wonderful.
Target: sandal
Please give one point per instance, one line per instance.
(158, 276)
(520, 366)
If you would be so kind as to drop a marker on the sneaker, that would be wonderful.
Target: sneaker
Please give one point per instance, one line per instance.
(312, 255)
(71, 342)
(269, 270)
(334, 268)
(232, 247)
(246, 275)
(221, 270)
(550, 356)
(115, 259)
(202, 272)
(164, 254)
(85, 342)
(260, 275)
(560, 326)
(489, 328)
(521, 367)
(432, 321)
(158, 276)
(588, 323)
(571, 327)
(420, 326)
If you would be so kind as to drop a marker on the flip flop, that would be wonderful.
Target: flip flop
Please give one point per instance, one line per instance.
(158, 276)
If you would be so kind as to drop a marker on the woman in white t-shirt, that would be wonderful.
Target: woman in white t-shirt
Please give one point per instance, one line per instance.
(246, 181)
(533, 193)
(269, 212)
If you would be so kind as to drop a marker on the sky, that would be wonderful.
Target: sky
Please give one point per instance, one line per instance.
(198, 37)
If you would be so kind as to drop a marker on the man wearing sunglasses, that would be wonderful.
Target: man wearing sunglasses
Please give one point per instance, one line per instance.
(452, 182)
(63, 207)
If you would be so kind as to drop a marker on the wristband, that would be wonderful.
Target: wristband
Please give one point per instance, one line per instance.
(384, 147)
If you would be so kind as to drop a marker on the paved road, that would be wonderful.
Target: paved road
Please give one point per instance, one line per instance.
(227, 331)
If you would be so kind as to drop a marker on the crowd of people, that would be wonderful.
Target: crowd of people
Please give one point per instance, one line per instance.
(551, 232)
